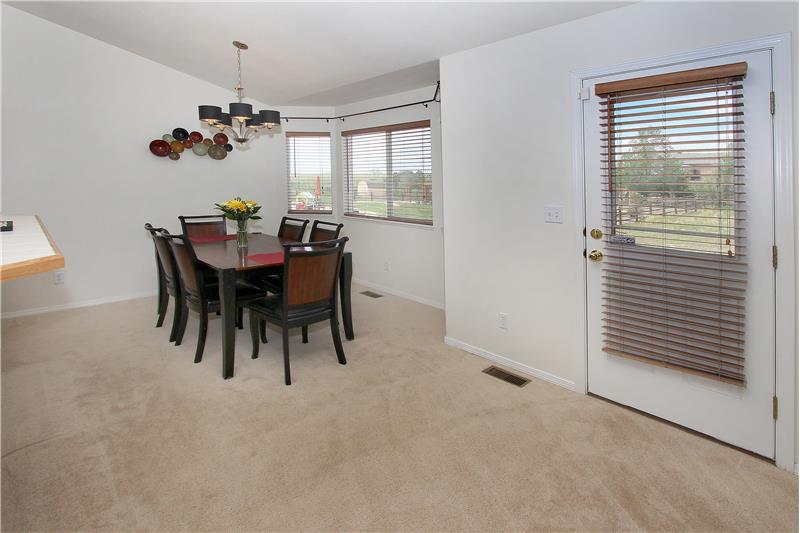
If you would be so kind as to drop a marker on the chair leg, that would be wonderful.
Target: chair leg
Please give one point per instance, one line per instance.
(254, 332)
(337, 341)
(263, 328)
(305, 334)
(163, 301)
(201, 336)
(182, 324)
(176, 319)
(286, 371)
(240, 317)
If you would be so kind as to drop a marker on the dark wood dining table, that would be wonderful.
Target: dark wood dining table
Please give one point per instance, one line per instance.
(232, 263)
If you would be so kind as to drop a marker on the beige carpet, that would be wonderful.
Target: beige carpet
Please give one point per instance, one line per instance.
(107, 426)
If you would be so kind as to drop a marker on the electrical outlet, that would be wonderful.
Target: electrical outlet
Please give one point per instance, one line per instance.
(386, 266)
(554, 214)
(58, 276)
(502, 320)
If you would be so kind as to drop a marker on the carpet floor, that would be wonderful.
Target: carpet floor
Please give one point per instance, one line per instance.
(106, 426)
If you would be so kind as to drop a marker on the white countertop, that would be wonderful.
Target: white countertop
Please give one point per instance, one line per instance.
(26, 242)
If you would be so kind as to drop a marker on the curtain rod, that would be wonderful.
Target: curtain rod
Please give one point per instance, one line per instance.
(342, 117)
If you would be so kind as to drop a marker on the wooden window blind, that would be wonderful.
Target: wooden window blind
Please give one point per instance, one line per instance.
(675, 269)
(308, 170)
(387, 172)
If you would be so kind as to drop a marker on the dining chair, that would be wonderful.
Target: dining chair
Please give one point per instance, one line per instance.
(172, 286)
(292, 229)
(163, 296)
(324, 231)
(203, 225)
(198, 294)
(320, 231)
(310, 275)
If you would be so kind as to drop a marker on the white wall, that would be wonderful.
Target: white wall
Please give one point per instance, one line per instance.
(414, 252)
(506, 141)
(78, 115)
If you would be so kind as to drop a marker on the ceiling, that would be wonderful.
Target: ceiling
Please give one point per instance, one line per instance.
(308, 53)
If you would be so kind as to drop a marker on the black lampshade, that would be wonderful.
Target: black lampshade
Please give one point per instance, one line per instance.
(270, 118)
(225, 118)
(209, 113)
(254, 122)
(240, 111)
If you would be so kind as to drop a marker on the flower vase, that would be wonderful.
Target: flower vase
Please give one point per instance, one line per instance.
(241, 234)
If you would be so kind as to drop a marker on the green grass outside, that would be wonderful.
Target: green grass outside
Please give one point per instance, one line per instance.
(710, 243)
(401, 209)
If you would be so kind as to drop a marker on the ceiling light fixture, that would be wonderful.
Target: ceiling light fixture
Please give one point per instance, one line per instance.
(248, 124)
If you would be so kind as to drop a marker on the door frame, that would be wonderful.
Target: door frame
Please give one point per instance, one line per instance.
(785, 228)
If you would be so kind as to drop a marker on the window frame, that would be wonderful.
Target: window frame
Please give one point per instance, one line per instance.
(316, 134)
(347, 200)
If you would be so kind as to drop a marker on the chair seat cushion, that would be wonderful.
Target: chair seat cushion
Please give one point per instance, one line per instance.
(272, 283)
(209, 274)
(271, 306)
(244, 291)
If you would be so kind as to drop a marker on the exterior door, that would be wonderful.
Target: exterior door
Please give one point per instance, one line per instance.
(714, 374)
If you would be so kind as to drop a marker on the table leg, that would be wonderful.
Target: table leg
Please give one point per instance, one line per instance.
(345, 279)
(227, 299)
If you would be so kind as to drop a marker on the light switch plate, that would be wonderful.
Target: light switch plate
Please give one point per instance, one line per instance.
(502, 320)
(554, 214)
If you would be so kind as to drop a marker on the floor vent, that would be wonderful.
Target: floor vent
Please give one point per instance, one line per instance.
(499, 373)
(372, 294)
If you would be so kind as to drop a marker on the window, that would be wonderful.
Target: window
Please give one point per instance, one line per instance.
(387, 172)
(308, 165)
(675, 273)
(674, 158)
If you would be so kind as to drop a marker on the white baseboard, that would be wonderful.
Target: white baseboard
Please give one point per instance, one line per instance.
(76, 305)
(134, 296)
(505, 361)
(401, 294)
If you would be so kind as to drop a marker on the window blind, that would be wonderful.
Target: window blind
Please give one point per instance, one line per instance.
(387, 172)
(308, 170)
(675, 269)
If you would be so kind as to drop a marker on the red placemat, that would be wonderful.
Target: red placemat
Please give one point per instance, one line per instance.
(267, 259)
(211, 238)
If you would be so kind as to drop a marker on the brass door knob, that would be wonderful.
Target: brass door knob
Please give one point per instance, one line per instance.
(596, 255)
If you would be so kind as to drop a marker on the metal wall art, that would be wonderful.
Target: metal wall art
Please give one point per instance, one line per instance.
(172, 145)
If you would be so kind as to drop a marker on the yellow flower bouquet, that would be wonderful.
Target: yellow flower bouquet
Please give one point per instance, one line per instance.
(241, 211)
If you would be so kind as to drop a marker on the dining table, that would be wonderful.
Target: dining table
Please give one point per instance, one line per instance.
(262, 256)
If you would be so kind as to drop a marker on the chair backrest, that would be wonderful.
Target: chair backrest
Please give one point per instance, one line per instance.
(203, 225)
(165, 255)
(310, 272)
(191, 275)
(324, 231)
(149, 227)
(292, 229)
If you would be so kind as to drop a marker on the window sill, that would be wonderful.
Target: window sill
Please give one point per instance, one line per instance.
(416, 225)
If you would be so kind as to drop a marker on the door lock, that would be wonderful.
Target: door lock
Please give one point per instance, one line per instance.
(596, 234)
(596, 255)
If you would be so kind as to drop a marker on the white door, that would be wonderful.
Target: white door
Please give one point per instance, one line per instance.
(736, 413)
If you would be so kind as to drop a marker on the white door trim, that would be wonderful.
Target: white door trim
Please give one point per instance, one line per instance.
(785, 228)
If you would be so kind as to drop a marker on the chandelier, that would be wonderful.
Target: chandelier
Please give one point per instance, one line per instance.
(247, 123)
